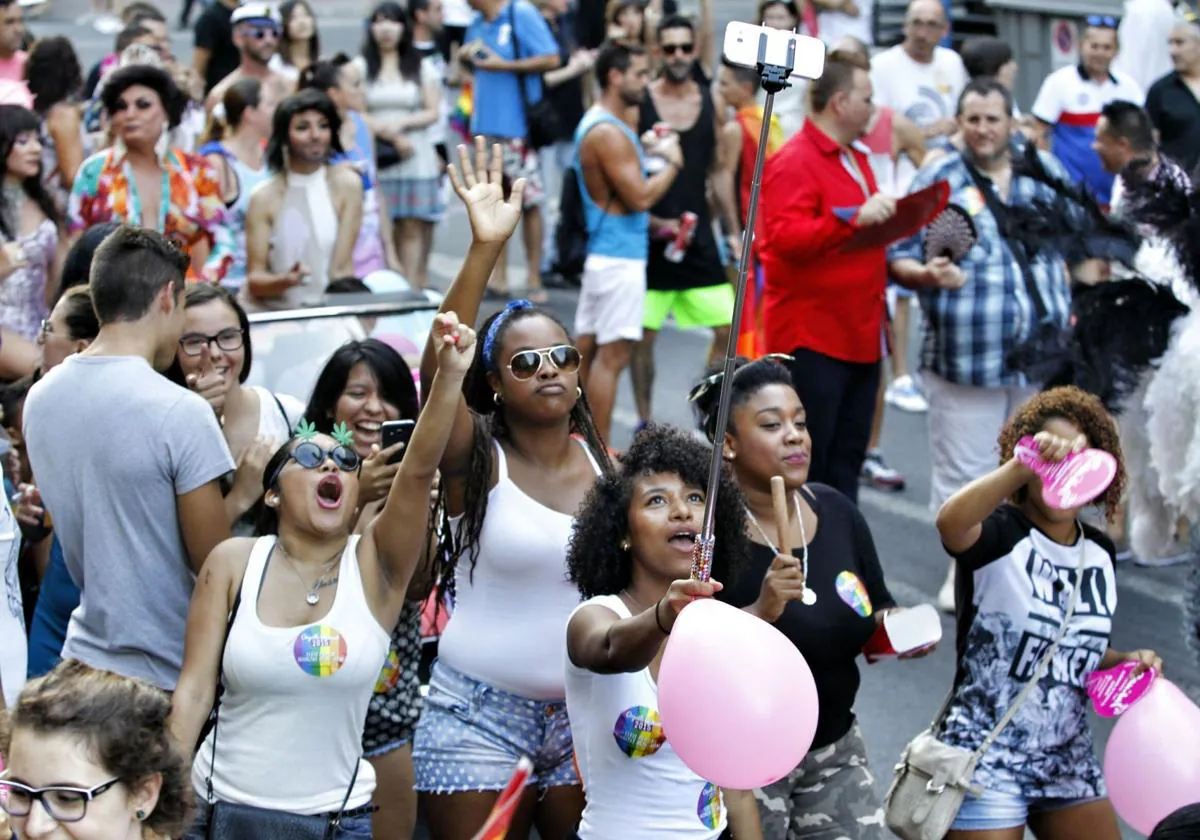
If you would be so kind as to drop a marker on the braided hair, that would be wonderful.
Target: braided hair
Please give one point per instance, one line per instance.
(490, 424)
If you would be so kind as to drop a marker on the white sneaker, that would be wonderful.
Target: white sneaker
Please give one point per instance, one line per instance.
(904, 395)
(945, 598)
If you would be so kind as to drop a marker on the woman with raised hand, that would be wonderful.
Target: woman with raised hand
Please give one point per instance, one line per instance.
(631, 557)
(522, 455)
(308, 642)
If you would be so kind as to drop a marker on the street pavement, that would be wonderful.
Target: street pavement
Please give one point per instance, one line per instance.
(897, 699)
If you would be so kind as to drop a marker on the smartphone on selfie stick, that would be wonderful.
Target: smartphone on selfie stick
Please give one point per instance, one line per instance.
(397, 431)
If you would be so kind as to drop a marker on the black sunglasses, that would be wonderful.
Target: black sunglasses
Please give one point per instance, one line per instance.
(1105, 21)
(259, 33)
(681, 49)
(704, 385)
(311, 456)
(193, 344)
(63, 804)
(526, 364)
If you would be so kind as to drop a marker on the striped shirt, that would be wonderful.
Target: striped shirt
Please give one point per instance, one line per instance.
(969, 332)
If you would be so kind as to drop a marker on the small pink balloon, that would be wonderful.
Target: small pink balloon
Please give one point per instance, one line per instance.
(1152, 761)
(737, 700)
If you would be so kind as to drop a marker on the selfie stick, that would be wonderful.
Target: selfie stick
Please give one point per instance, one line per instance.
(774, 79)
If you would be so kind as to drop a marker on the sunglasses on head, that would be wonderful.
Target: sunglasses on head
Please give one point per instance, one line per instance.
(311, 456)
(707, 383)
(1104, 21)
(677, 49)
(526, 364)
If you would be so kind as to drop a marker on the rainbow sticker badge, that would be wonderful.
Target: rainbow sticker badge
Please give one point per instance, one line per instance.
(708, 806)
(320, 650)
(389, 675)
(972, 201)
(639, 732)
(851, 590)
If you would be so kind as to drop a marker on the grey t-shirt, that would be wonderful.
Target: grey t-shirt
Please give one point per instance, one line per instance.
(112, 444)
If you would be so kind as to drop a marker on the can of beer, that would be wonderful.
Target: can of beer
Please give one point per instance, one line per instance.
(679, 245)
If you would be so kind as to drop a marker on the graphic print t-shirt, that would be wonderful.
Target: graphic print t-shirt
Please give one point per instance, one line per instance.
(1014, 585)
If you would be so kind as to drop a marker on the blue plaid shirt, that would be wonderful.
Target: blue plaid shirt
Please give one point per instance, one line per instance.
(969, 332)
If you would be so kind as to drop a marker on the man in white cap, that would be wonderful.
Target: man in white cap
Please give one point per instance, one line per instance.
(256, 31)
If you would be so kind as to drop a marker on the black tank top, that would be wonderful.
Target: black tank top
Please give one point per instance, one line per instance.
(701, 265)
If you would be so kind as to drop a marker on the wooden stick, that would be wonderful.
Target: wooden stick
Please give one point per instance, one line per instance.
(779, 498)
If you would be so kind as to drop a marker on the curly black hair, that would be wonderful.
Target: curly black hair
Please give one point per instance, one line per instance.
(123, 724)
(1087, 413)
(145, 75)
(595, 562)
(491, 424)
(749, 377)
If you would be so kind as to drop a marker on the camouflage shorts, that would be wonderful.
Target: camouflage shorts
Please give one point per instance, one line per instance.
(830, 796)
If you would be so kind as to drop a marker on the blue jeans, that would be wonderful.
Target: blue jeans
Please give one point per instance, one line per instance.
(357, 827)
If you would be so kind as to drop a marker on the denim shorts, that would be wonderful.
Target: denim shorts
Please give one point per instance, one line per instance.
(471, 736)
(995, 810)
(357, 827)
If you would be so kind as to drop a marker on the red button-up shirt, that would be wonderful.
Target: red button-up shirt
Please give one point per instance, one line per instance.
(816, 297)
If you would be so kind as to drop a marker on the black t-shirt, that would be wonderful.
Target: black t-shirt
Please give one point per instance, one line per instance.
(214, 32)
(844, 572)
(567, 98)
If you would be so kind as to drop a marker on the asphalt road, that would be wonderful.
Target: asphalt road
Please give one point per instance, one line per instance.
(897, 699)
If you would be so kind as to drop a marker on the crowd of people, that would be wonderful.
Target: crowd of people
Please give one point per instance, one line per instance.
(214, 628)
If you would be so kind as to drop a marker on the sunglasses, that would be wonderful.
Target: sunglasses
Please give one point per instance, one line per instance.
(63, 804)
(708, 382)
(193, 344)
(678, 49)
(311, 456)
(261, 33)
(526, 364)
(1105, 21)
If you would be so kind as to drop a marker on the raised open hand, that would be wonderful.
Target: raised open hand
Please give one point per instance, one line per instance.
(479, 184)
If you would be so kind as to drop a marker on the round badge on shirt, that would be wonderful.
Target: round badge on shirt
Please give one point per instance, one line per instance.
(639, 732)
(320, 651)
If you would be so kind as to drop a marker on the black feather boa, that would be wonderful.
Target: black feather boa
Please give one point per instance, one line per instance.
(1157, 198)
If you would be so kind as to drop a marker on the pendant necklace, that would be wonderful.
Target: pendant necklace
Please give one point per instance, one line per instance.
(313, 597)
(808, 597)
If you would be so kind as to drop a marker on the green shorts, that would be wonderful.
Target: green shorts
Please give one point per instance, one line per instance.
(707, 306)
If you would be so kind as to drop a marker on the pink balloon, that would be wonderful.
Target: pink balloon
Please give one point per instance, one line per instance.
(1152, 761)
(737, 700)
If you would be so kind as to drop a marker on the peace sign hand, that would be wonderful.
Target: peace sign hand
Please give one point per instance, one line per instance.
(480, 187)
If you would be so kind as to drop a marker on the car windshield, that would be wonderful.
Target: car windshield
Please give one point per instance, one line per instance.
(290, 353)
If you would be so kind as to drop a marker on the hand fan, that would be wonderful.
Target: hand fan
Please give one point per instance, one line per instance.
(951, 234)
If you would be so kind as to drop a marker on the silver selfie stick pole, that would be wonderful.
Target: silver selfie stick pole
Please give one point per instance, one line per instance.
(774, 79)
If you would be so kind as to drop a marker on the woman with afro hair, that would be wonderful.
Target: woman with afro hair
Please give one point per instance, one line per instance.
(631, 557)
(1019, 561)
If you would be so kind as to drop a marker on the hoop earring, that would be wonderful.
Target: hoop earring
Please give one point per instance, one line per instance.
(625, 546)
(578, 393)
(496, 397)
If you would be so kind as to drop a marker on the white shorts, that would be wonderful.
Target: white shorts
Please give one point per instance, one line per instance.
(612, 299)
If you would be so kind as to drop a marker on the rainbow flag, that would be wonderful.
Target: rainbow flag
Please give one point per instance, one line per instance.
(464, 106)
(751, 338)
(499, 820)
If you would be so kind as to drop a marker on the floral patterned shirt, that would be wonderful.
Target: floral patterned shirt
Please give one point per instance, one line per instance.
(191, 209)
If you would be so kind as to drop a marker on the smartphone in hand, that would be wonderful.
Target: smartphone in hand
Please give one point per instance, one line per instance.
(397, 431)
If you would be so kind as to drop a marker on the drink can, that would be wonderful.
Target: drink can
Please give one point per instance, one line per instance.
(662, 130)
(687, 231)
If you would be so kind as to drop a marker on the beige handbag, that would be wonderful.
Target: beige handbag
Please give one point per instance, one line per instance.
(932, 779)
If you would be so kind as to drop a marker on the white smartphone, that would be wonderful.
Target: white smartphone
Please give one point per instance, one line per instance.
(742, 42)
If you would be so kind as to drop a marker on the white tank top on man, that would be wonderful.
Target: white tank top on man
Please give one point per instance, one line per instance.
(289, 735)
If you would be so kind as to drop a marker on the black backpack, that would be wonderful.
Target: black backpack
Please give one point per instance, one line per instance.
(572, 235)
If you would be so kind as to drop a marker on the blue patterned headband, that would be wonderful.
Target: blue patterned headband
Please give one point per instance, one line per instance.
(489, 341)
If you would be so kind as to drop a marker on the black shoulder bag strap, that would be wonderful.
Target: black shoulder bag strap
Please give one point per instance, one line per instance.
(521, 77)
(1000, 212)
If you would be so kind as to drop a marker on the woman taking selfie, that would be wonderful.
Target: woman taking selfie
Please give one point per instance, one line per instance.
(631, 557)
(89, 756)
(827, 596)
(310, 638)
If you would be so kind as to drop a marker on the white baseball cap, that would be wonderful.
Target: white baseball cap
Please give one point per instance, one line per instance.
(255, 12)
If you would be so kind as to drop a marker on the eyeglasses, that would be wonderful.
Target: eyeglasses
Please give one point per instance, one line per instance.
(526, 364)
(680, 49)
(311, 456)
(707, 383)
(193, 344)
(1105, 21)
(63, 804)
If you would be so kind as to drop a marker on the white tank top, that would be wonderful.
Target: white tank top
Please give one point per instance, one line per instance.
(636, 786)
(291, 723)
(509, 625)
